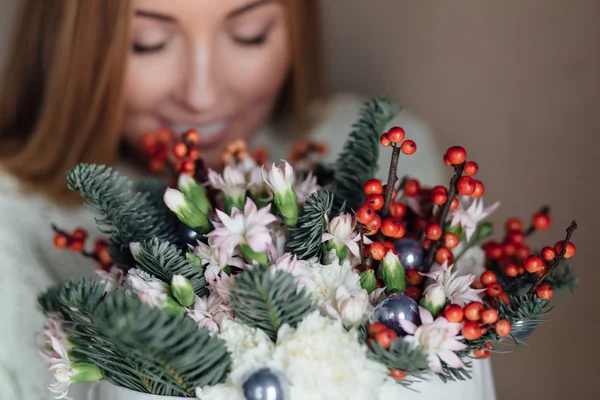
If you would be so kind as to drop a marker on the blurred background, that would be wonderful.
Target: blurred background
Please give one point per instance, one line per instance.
(517, 83)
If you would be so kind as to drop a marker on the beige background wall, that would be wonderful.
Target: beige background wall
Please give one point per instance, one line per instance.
(518, 83)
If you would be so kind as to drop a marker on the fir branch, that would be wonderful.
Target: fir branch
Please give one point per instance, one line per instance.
(529, 310)
(122, 213)
(403, 357)
(164, 260)
(172, 347)
(267, 299)
(450, 374)
(562, 278)
(306, 238)
(358, 161)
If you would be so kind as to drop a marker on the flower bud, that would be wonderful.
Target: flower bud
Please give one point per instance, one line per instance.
(368, 281)
(484, 230)
(173, 307)
(195, 193)
(284, 196)
(182, 290)
(393, 273)
(186, 211)
(85, 372)
(434, 299)
(253, 257)
(195, 260)
(351, 307)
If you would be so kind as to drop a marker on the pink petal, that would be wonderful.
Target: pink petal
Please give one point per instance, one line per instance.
(326, 237)
(456, 345)
(435, 364)
(454, 328)
(59, 348)
(408, 326)
(426, 317)
(353, 247)
(450, 358)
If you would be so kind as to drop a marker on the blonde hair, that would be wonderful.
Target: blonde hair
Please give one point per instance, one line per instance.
(61, 97)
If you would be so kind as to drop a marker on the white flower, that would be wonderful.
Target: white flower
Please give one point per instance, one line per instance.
(321, 360)
(456, 287)
(341, 234)
(327, 278)
(150, 290)
(305, 188)
(61, 370)
(468, 218)
(111, 278)
(435, 299)
(209, 311)
(350, 307)
(247, 227)
(471, 262)
(256, 184)
(221, 285)
(280, 181)
(279, 235)
(298, 268)
(232, 183)
(438, 339)
(214, 259)
(53, 329)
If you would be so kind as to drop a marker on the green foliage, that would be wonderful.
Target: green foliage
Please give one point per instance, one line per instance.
(358, 161)
(135, 346)
(163, 260)
(450, 374)
(267, 299)
(403, 357)
(122, 213)
(305, 239)
(156, 190)
(562, 278)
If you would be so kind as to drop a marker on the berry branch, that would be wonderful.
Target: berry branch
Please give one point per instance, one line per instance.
(392, 178)
(452, 190)
(557, 260)
(532, 228)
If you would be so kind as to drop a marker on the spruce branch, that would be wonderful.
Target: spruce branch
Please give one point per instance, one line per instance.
(452, 190)
(403, 357)
(267, 299)
(450, 374)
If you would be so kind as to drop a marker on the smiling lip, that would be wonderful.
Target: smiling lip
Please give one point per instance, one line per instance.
(210, 134)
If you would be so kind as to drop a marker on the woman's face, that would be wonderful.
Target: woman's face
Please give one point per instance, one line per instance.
(216, 66)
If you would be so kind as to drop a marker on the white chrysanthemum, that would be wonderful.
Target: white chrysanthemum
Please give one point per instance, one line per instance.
(327, 278)
(322, 360)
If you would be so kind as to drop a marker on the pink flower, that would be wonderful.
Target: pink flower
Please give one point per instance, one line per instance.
(60, 367)
(221, 285)
(468, 218)
(341, 234)
(53, 330)
(305, 188)
(298, 268)
(111, 278)
(248, 227)
(438, 339)
(214, 260)
(209, 311)
(456, 287)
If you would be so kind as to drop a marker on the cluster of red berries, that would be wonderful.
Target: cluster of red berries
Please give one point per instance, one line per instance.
(395, 137)
(75, 242)
(385, 336)
(181, 156)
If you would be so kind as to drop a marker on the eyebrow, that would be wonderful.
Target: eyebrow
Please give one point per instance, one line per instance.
(154, 15)
(249, 7)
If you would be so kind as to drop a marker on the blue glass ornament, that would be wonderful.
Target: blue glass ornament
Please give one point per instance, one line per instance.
(264, 384)
(188, 236)
(522, 329)
(410, 252)
(395, 308)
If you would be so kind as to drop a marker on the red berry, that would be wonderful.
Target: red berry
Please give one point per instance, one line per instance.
(180, 150)
(447, 161)
(516, 237)
(434, 232)
(509, 249)
(389, 246)
(156, 165)
(503, 327)
(385, 140)
(188, 167)
(79, 234)
(408, 147)
(397, 209)
(101, 245)
(413, 292)
(514, 224)
(164, 135)
(412, 187)
(76, 245)
(454, 313)
(392, 228)
(373, 186)
(149, 144)
(375, 328)
(376, 201)
(396, 134)
(465, 185)
(541, 221)
(479, 190)
(488, 277)
(386, 337)
(471, 330)
(533, 264)
(494, 289)
(548, 253)
(194, 153)
(471, 168)
(569, 252)
(473, 311)
(477, 284)
(544, 291)
(439, 198)
(397, 374)
(456, 155)
(504, 297)
(374, 225)
(192, 136)
(511, 270)
(489, 316)
(104, 257)
(377, 251)
(482, 354)
(521, 270)
(444, 254)
(493, 250)
(454, 204)
(522, 251)
(413, 277)
(394, 193)
(60, 241)
(451, 240)
(365, 214)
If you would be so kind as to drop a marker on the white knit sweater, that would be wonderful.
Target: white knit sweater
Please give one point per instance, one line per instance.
(29, 263)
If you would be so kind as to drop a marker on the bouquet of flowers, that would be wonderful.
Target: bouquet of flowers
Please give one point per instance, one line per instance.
(296, 281)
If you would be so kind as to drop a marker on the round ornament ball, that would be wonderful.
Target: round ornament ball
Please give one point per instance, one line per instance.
(265, 384)
(410, 252)
(522, 329)
(395, 308)
(190, 236)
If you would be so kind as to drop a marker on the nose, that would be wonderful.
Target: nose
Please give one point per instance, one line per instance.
(200, 86)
